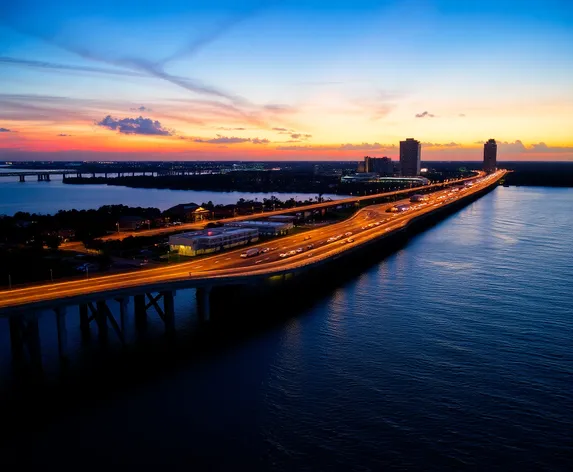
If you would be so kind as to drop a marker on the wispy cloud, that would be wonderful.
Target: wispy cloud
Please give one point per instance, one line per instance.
(341, 147)
(260, 141)
(132, 63)
(140, 125)
(425, 114)
(66, 67)
(279, 108)
(301, 136)
(442, 145)
(229, 140)
(222, 140)
(64, 135)
(517, 146)
(41, 108)
(5, 130)
(141, 109)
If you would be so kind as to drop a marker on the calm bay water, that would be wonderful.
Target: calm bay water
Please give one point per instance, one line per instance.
(455, 352)
(49, 197)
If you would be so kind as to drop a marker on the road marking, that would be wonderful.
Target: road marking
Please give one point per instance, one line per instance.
(197, 267)
(228, 259)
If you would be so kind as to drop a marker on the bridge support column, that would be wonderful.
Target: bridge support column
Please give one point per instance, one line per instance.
(122, 312)
(169, 311)
(204, 302)
(102, 316)
(140, 313)
(25, 339)
(101, 319)
(22, 178)
(84, 321)
(62, 332)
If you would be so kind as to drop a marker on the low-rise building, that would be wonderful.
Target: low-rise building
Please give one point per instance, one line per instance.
(188, 212)
(265, 228)
(212, 240)
(282, 218)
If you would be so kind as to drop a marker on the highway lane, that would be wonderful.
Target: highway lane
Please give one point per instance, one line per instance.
(362, 225)
(314, 206)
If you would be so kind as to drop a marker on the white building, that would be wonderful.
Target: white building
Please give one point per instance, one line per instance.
(265, 228)
(212, 240)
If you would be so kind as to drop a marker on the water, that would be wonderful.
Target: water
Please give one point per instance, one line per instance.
(49, 197)
(454, 353)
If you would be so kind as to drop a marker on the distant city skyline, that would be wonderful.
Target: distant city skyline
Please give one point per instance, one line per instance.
(290, 81)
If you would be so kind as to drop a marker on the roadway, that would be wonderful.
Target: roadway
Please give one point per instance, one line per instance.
(283, 211)
(369, 223)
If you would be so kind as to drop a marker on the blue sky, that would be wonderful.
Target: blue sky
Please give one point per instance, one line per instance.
(356, 73)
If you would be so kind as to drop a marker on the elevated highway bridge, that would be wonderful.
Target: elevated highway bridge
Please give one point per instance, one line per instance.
(154, 289)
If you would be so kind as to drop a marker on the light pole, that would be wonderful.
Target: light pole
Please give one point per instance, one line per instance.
(117, 224)
(51, 276)
(9, 281)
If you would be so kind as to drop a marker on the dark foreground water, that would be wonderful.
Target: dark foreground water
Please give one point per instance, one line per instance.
(454, 353)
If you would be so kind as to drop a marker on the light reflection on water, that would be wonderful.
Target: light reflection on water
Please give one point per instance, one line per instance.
(454, 353)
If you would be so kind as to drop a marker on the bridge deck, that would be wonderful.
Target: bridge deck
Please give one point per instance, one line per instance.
(369, 224)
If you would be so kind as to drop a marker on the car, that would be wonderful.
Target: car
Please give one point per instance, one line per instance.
(299, 250)
(283, 255)
(266, 250)
(292, 253)
(349, 233)
(350, 240)
(377, 223)
(329, 240)
(306, 238)
(310, 246)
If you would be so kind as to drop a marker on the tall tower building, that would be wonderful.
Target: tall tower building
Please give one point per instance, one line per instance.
(367, 164)
(490, 156)
(410, 153)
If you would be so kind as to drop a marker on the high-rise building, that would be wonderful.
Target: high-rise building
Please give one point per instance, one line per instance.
(379, 165)
(367, 164)
(490, 156)
(382, 166)
(410, 153)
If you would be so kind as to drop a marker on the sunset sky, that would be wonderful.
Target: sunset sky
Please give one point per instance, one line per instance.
(185, 80)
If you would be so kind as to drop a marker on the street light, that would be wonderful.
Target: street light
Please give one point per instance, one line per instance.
(117, 224)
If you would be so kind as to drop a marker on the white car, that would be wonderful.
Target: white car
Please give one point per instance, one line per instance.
(283, 255)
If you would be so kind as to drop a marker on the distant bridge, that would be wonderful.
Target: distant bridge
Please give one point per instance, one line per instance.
(44, 175)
